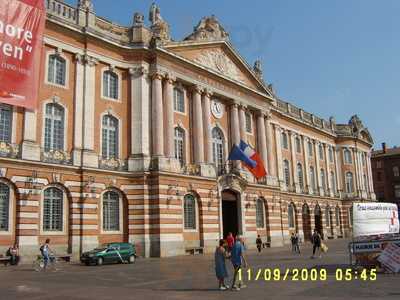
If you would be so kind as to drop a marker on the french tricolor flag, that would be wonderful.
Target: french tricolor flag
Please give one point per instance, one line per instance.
(250, 159)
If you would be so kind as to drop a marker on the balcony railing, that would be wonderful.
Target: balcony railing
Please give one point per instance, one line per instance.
(56, 157)
(113, 164)
(9, 150)
(61, 10)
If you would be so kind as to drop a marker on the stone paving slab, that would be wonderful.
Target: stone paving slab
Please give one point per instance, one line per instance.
(192, 277)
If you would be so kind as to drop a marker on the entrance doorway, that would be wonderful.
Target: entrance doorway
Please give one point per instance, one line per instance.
(318, 219)
(230, 213)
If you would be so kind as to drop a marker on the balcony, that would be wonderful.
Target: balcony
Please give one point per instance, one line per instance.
(56, 157)
(9, 150)
(113, 164)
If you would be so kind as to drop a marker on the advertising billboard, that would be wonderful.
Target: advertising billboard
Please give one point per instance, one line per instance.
(21, 41)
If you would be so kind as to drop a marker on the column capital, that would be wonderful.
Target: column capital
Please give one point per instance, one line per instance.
(156, 75)
(208, 93)
(89, 60)
(79, 58)
(197, 89)
(169, 78)
(137, 71)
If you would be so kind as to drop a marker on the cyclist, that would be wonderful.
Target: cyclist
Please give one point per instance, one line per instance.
(45, 251)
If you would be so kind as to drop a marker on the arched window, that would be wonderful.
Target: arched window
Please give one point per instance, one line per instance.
(349, 182)
(285, 144)
(260, 213)
(218, 149)
(321, 152)
(323, 179)
(312, 179)
(330, 151)
(54, 127)
(179, 100)
(291, 215)
(337, 213)
(56, 69)
(286, 172)
(180, 145)
(328, 216)
(5, 123)
(53, 209)
(300, 175)
(110, 85)
(298, 145)
(396, 171)
(365, 183)
(310, 148)
(248, 119)
(4, 207)
(189, 203)
(111, 211)
(333, 181)
(347, 156)
(110, 138)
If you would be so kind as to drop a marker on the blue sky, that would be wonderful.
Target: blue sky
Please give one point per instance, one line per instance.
(329, 57)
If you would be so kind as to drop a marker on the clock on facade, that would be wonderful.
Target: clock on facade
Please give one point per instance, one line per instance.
(216, 109)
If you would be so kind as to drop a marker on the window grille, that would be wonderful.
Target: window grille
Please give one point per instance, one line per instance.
(190, 212)
(111, 209)
(4, 207)
(53, 210)
(54, 127)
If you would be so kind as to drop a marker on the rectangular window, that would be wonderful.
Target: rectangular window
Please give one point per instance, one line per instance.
(179, 100)
(397, 191)
(248, 123)
(5, 123)
(310, 149)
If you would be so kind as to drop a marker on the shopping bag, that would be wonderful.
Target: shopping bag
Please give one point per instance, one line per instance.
(324, 248)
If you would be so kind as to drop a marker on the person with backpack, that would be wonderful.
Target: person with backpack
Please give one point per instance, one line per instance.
(316, 241)
(259, 243)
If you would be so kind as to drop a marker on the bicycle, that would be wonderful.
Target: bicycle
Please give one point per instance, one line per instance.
(39, 265)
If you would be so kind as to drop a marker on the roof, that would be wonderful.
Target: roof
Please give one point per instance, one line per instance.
(389, 152)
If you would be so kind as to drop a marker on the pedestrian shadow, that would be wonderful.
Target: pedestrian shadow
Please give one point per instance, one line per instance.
(189, 290)
(330, 268)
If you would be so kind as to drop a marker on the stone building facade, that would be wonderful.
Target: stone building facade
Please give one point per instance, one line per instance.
(131, 135)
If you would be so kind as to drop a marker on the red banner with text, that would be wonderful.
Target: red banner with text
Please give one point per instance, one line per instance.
(21, 40)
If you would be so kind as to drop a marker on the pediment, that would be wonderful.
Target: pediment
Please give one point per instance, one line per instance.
(219, 58)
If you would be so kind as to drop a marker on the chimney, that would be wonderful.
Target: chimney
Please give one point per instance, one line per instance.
(384, 147)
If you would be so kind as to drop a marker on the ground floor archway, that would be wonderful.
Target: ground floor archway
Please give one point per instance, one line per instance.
(318, 220)
(306, 218)
(230, 213)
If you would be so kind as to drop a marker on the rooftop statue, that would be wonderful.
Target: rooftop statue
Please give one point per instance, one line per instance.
(208, 29)
(159, 27)
(85, 4)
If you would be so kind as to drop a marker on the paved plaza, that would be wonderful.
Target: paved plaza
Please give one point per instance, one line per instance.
(192, 277)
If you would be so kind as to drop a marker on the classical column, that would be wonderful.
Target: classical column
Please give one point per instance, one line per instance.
(357, 172)
(169, 117)
(139, 159)
(338, 164)
(304, 140)
(157, 115)
(370, 180)
(271, 162)
(90, 157)
(317, 171)
(296, 186)
(279, 161)
(78, 110)
(242, 123)
(262, 141)
(235, 124)
(207, 126)
(198, 135)
(328, 170)
(30, 147)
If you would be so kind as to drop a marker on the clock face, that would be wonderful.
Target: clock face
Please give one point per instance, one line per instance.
(216, 109)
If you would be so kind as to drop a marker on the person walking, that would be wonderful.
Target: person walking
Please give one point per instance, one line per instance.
(45, 251)
(238, 260)
(296, 243)
(316, 240)
(259, 243)
(220, 266)
(292, 241)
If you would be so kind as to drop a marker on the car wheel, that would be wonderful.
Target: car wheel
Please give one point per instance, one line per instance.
(132, 259)
(87, 263)
(100, 261)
